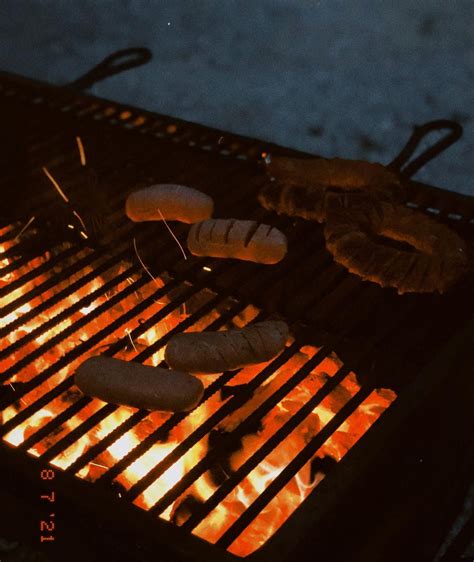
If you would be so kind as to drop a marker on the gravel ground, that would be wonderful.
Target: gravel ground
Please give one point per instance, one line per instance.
(331, 77)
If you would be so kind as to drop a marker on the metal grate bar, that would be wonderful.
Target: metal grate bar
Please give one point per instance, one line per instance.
(68, 290)
(95, 339)
(61, 335)
(108, 440)
(244, 470)
(7, 237)
(80, 350)
(205, 463)
(66, 166)
(26, 317)
(149, 351)
(341, 297)
(261, 282)
(65, 293)
(70, 270)
(7, 232)
(18, 263)
(49, 324)
(53, 98)
(292, 468)
(250, 422)
(146, 353)
(34, 272)
(42, 202)
(138, 416)
(56, 145)
(99, 309)
(74, 435)
(271, 444)
(235, 402)
(304, 272)
(37, 271)
(157, 435)
(85, 426)
(54, 424)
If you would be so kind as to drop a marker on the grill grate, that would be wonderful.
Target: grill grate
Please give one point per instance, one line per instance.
(381, 336)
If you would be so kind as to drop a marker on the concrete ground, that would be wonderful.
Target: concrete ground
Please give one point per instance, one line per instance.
(331, 77)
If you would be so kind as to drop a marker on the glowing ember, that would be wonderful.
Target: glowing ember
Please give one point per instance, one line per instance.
(28, 351)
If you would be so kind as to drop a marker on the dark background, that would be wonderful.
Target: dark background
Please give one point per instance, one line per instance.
(331, 77)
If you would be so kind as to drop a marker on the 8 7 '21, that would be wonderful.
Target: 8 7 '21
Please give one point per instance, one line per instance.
(48, 526)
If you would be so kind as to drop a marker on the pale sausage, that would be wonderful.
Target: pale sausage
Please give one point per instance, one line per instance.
(140, 386)
(240, 239)
(171, 202)
(215, 352)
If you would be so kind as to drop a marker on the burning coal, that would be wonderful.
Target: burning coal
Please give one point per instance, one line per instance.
(201, 470)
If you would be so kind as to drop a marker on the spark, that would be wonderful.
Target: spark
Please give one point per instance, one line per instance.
(142, 262)
(81, 221)
(70, 226)
(99, 465)
(172, 234)
(130, 282)
(206, 268)
(130, 336)
(84, 235)
(23, 402)
(24, 228)
(14, 389)
(55, 184)
(82, 154)
(64, 196)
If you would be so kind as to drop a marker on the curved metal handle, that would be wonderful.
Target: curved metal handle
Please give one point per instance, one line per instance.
(113, 64)
(407, 169)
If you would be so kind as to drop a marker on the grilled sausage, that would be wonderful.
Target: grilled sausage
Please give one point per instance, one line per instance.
(215, 352)
(240, 239)
(140, 386)
(174, 202)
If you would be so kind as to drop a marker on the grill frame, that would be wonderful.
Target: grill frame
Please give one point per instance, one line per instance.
(451, 203)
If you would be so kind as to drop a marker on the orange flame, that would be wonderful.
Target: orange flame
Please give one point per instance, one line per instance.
(242, 496)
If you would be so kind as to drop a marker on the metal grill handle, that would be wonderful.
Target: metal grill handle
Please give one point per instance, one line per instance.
(407, 169)
(113, 64)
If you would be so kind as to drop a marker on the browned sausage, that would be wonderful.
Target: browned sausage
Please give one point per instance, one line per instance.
(215, 352)
(241, 239)
(171, 202)
(140, 386)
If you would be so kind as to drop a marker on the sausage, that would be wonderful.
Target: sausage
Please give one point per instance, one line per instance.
(215, 352)
(137, 385)
(176, 203)
(240, 239)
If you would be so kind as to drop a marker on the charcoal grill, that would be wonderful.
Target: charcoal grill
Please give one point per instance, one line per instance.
(393, 492)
